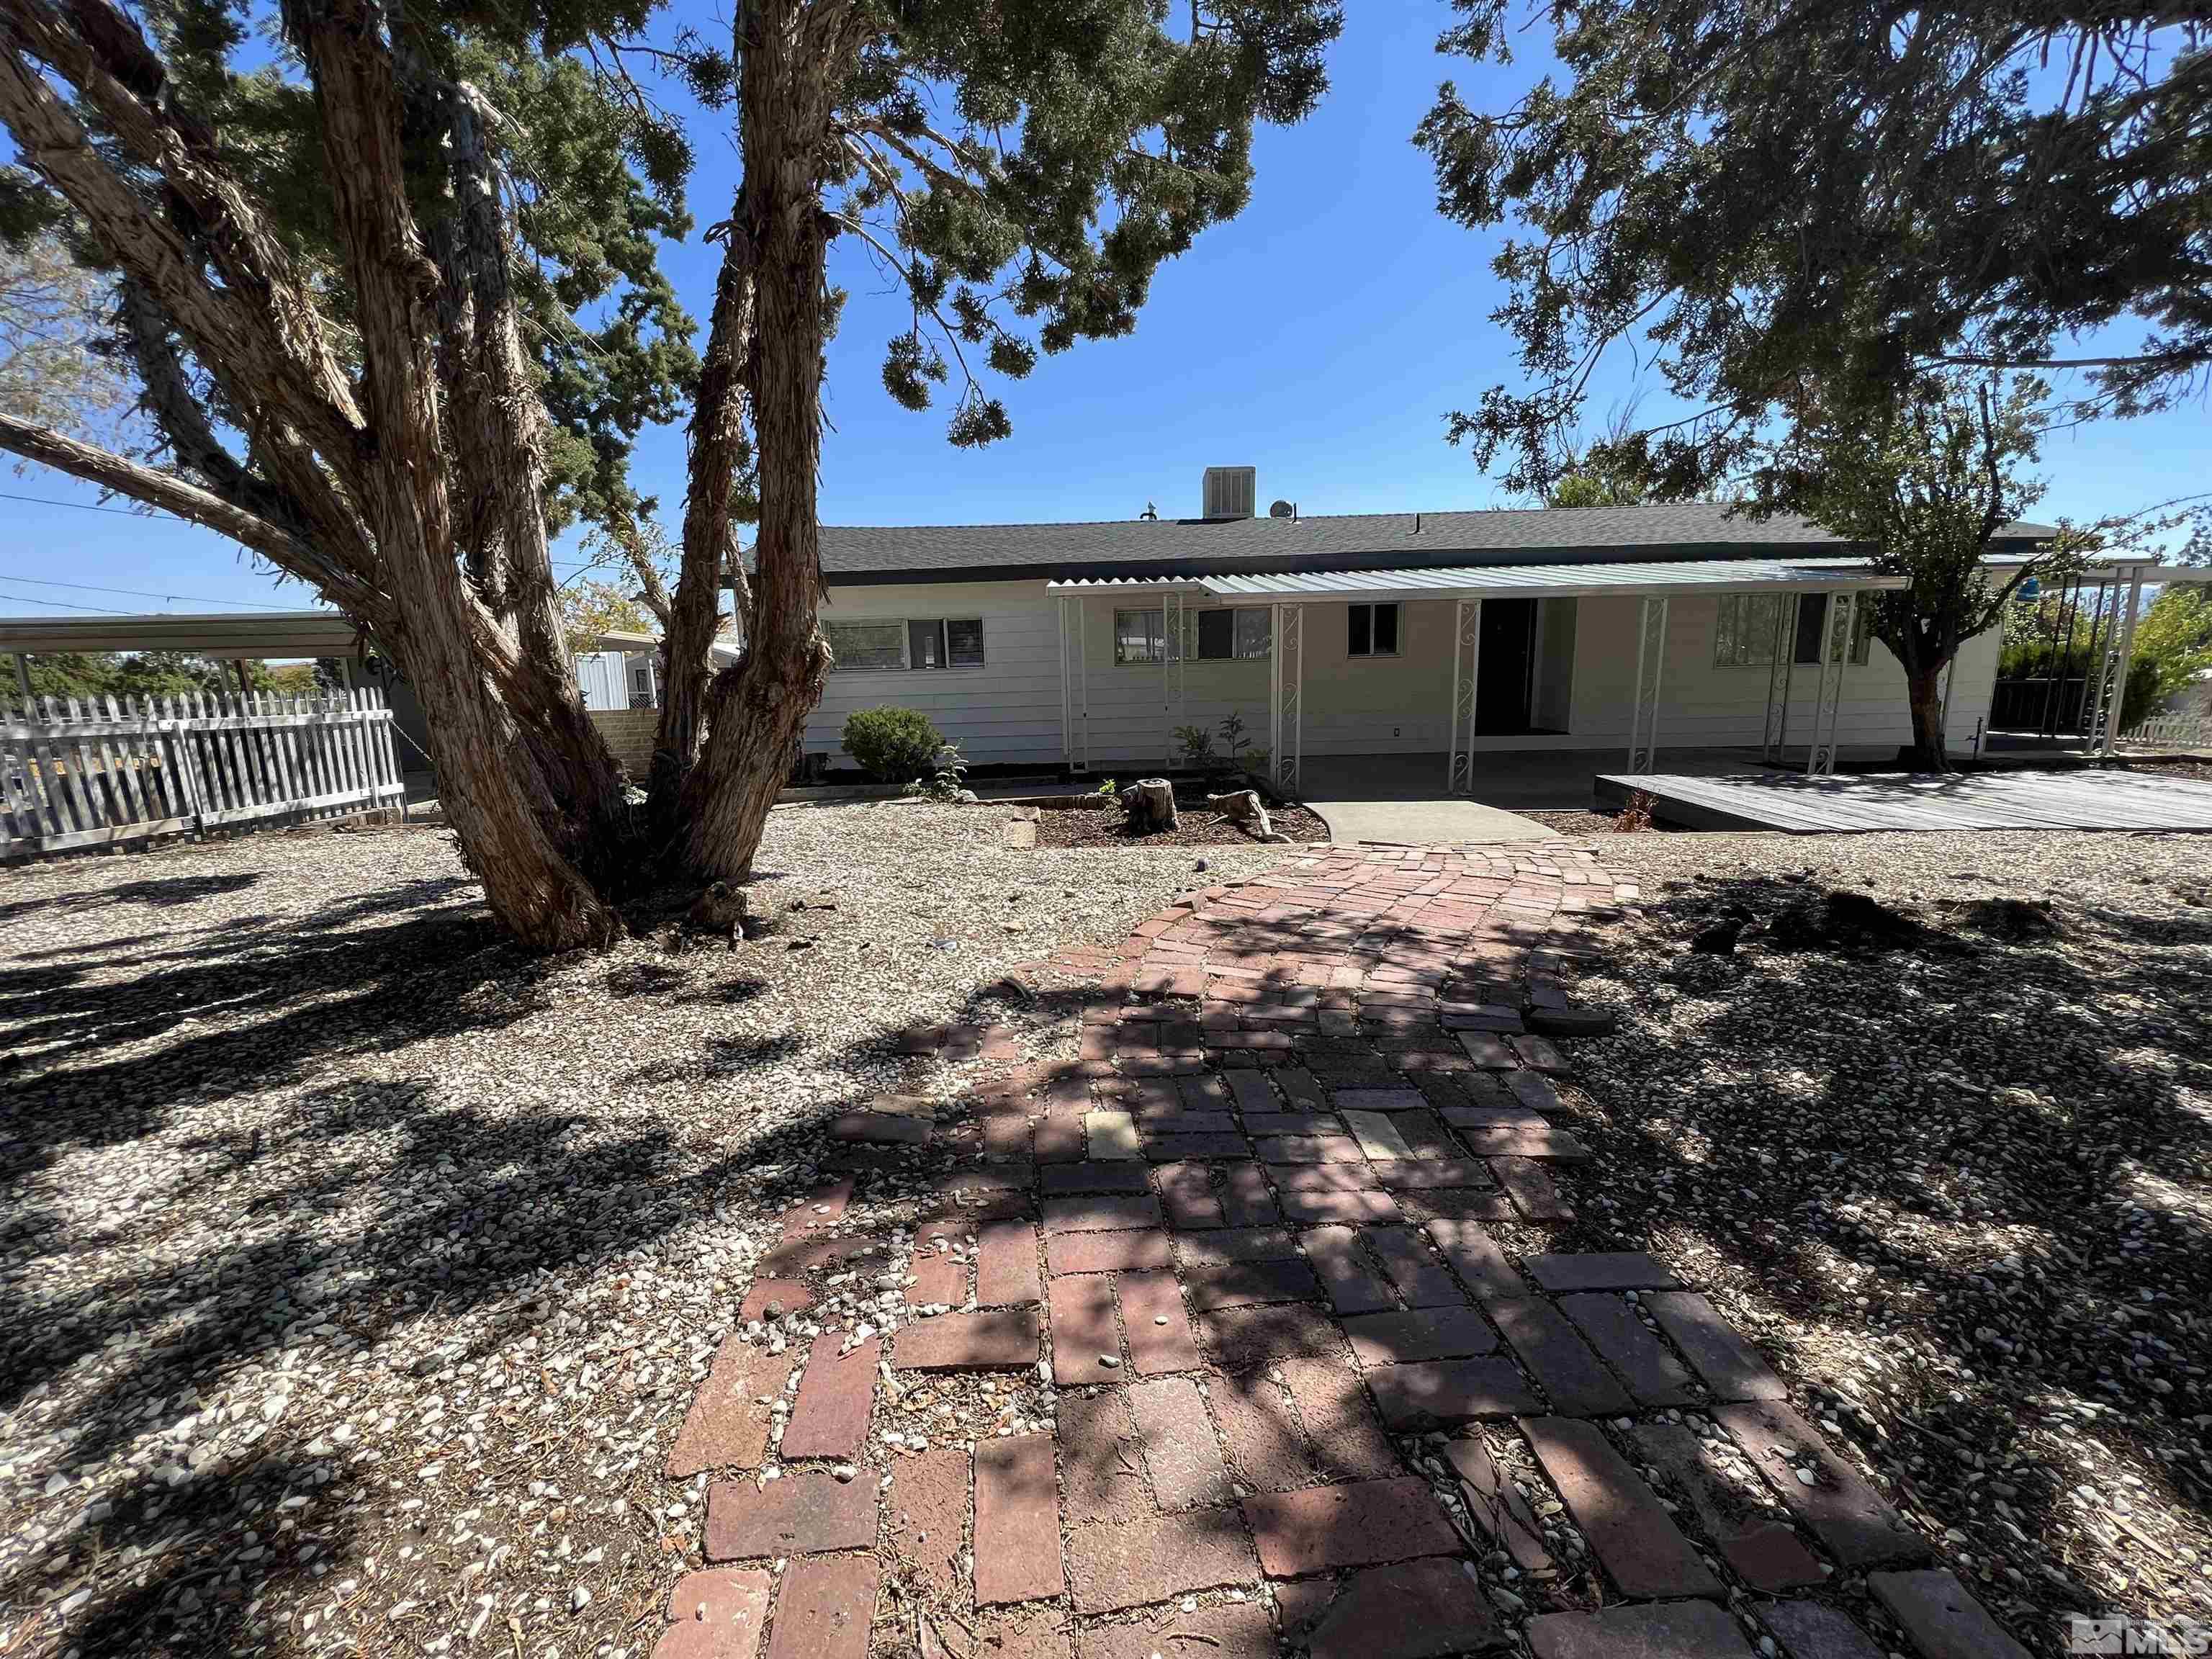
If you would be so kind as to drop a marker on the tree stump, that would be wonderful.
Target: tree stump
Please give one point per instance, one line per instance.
(1244, 806)
(1151, 805)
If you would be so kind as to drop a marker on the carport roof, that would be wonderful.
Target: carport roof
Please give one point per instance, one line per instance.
(226, 634)
(1526, 581)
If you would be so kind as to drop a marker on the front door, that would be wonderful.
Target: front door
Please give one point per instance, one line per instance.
(1509, 653)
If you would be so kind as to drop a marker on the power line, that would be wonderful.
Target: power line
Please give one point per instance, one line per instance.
(90, 506)
(141, 592)
(59, 604)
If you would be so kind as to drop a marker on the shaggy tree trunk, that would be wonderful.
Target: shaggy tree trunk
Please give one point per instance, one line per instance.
(441, 635)
(1924, 692)
(758, 709)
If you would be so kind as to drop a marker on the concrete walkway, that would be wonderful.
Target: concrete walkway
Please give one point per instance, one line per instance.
(1443, 821)
(1235, 1325)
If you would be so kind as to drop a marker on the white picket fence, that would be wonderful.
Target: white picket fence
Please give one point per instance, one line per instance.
(2171, 731)
(78, 772)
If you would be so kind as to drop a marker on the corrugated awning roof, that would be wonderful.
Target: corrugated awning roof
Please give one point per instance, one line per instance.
(1525, 580)
(221, 634)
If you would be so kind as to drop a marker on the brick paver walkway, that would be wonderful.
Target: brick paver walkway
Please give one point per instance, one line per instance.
(1233, 1315)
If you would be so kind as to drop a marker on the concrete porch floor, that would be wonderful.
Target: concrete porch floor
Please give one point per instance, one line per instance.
(1402, 798)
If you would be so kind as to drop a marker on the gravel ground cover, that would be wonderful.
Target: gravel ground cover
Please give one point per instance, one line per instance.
(357, 1271)
(1960, 1188)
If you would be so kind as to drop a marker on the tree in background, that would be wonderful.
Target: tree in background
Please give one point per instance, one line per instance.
(2175, 637)
(51, 309)
(1772, 195)
(591, 607)
(136, 675)
(354, 288)
(1926, 482)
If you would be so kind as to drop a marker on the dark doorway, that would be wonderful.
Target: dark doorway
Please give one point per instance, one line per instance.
(1508, 655)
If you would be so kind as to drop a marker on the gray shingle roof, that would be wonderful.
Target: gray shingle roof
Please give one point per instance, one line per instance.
(1163, 547)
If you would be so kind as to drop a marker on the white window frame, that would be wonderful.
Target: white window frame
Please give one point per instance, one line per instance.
(905, 626)
(1236, 614)
(1398, 628)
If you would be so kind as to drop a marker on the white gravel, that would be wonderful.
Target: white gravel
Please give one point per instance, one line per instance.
(1962, 1190)
(355, 1271)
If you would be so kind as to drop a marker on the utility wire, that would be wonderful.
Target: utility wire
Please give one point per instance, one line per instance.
(59, 604)
(141, 592)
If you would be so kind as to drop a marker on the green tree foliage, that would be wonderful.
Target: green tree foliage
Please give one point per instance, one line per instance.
(141, 674)
(2175, 637)
(51, 310)
(392, 296)
(1927, 482)
(1772, 195)
(591, 607)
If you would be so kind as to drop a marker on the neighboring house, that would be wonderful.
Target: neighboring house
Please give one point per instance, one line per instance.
(1086, 644)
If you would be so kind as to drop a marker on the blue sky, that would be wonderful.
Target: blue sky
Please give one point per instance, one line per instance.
(1320, 338)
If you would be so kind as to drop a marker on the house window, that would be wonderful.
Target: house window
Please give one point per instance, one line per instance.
(1813, 626)
(1373, 630)
(1743, 637)
(1139, 636)
(1226, 636)
(936, 642)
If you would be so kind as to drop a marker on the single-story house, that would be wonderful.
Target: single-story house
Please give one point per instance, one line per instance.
(1454, 635)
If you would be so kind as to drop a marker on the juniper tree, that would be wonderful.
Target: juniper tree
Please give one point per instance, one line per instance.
(393, 304)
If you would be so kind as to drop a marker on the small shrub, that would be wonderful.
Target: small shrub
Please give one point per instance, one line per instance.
(948, 778)
(1636, 816)
(1241, 755)
(1197, 746)
(891, 745)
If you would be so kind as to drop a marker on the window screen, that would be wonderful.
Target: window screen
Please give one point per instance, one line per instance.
(1373, 630)
(1217, 634)
(1812, 625)
(964, 642)
(925, 645)
(865, 645)
(1253, 629)
(1743, 634)
(1138, 636)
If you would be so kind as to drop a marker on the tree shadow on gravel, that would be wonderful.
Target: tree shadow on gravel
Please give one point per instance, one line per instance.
(1978, 1153)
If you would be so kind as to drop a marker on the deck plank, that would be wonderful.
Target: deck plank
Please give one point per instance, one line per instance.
(1861, 803)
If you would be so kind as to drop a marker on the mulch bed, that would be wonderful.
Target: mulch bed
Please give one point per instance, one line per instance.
(1198, 825)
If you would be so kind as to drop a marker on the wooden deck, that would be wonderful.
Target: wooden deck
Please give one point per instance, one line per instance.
(2083, 800)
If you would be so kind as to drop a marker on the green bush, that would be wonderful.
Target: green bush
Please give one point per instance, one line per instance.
(892, 746)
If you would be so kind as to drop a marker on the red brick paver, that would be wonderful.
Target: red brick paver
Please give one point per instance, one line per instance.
(1017, 1520)
(1290, 1107)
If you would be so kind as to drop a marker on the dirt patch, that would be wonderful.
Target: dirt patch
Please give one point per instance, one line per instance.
(1198, 825)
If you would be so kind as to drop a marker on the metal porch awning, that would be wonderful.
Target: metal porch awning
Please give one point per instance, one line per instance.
(221, 634)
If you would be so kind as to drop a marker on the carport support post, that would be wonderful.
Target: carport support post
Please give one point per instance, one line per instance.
(1285, 705)
(1828, 697)
(1779, 674)
(2116, 673)
(1650, 662)
(23, 678)
(1467, 662)
(1171, 679)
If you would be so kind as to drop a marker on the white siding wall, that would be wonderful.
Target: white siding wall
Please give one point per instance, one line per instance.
(1008, 711)
(1005, 712)
(1703, 706)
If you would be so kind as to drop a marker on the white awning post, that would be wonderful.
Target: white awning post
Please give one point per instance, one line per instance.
(1286, 706)
(1828, 694)
(1650, 664)
(1067, 690)
(1467, 665)
(1779, 674)
(2116, 672)
(1171, 697)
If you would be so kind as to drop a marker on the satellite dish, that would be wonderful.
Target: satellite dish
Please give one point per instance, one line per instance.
(1282, 510)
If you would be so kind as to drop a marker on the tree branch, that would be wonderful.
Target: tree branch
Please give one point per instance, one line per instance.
(189, 502)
